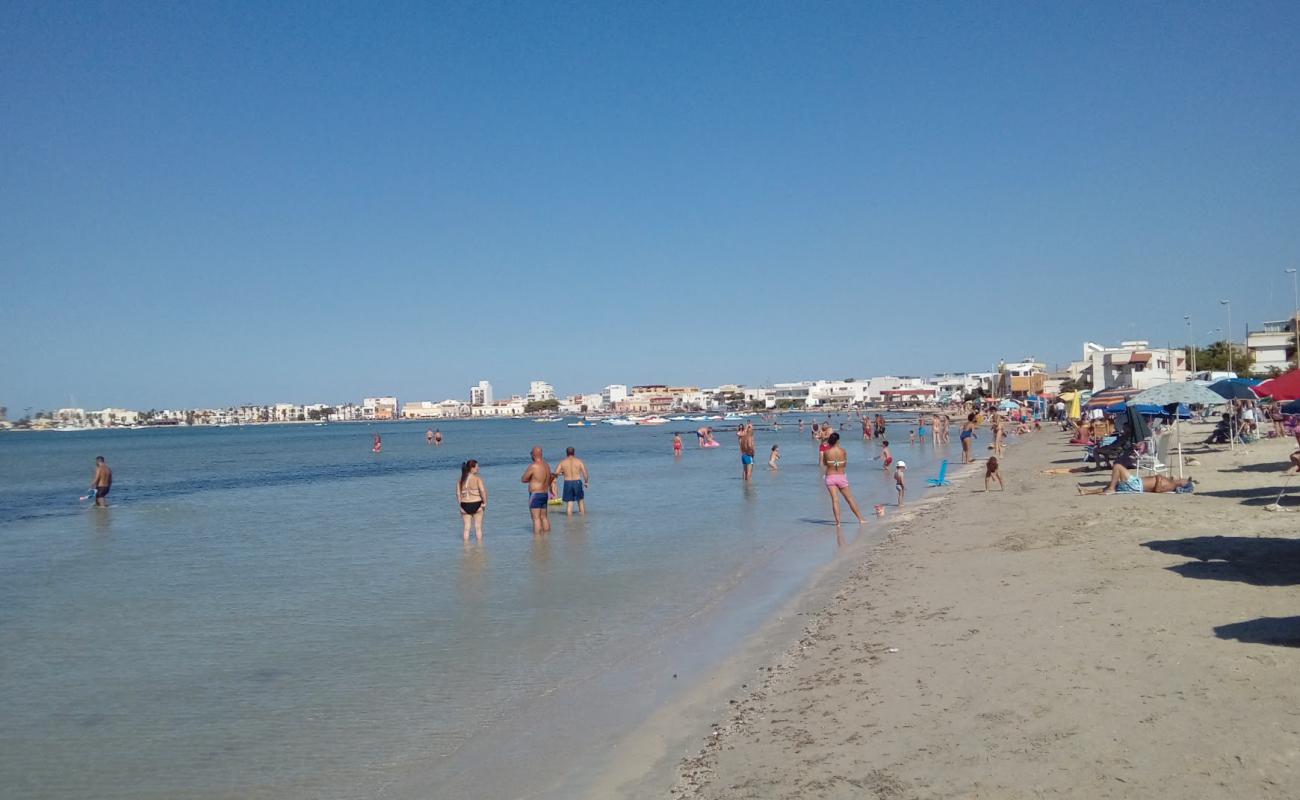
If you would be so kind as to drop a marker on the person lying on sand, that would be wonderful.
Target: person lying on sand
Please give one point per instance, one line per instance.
(1123, 481)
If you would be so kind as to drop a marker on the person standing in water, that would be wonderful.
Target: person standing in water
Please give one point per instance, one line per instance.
(900, 481)
(437, 438)
(775, 457)
(746, 450)
(576, 481)
(834, 460)
(101, 482)
(966, 436)
(471, 494)
(677, 444)
(428, 437)
(886, 456)
(540, 481)
(379, 444)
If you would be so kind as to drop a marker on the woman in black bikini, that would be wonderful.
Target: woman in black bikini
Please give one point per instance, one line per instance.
(472, 495)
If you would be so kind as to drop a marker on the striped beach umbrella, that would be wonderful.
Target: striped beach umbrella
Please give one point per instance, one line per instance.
(1109, 397)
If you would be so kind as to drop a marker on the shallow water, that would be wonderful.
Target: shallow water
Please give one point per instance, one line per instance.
(276, 611)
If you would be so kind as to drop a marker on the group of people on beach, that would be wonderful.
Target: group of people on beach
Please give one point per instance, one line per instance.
(541, 479)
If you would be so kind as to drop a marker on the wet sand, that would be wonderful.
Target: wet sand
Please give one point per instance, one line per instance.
(1034, 643)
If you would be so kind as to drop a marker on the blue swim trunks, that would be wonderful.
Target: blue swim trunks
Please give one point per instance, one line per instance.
(573, 491)
(538, 500)
(746, 459)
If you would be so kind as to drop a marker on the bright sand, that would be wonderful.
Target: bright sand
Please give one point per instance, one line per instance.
(1030, 643)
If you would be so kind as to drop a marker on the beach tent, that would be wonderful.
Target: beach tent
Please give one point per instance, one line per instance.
(1283, 387)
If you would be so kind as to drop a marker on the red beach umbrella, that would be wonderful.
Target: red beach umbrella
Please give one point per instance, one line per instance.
(1282, 388)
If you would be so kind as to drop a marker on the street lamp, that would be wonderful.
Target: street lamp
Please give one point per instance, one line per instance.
(1228, 303)
(1295, 314)
(1191, 344)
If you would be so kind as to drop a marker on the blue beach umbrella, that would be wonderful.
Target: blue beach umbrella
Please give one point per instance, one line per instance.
(1234, 389)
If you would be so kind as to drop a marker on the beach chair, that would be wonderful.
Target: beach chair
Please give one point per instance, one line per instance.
(942, 480)
(1149, 459)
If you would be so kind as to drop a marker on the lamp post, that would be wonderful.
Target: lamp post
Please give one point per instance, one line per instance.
(1228, 303)
(1295, 314)
(1191, 344)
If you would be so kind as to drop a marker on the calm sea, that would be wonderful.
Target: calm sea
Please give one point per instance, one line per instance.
(275, 611)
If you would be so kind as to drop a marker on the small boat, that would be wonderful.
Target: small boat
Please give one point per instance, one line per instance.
(619, 421)
(652, 421)
(678, 419)
(549, 419)
(581, 424)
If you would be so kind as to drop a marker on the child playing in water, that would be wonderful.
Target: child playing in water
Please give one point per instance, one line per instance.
(886, 456)
(991, 473)
(911, 437)
(900, 481)
(775, 457)
(677, 444)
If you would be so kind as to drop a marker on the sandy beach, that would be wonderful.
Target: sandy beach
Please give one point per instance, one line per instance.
(1034, 643)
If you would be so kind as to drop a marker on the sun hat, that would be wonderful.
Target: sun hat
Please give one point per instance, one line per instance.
(902, 465)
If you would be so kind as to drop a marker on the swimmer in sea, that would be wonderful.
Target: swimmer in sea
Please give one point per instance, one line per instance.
(428, 437)
(775, 457)
(833, 461)
(746, 434)
(540, 482)
(471, 494)
(102, 482)
(379, 444)
(437, 437)
(576, 480)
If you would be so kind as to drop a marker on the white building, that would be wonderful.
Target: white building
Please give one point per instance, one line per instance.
(1272, 348)
(613, 394)
(379, 408)
(539, 391)
(1131, 365)
(421, 409)
(500, 408)
(481, 395)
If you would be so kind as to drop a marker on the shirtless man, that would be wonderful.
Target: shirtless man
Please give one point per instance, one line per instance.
(746, 435)
(540, 480)
(102, 482)
(576, 481)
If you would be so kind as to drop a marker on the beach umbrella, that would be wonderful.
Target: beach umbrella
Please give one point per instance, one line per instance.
(1187, 393)
(1283, 387)
(1109, 397)
(1233, 390)
(1138, 429)
(1073, 412)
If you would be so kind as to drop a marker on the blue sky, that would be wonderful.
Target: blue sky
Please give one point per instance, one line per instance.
(214, 203)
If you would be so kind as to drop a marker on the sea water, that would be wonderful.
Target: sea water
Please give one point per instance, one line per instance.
(276, 611)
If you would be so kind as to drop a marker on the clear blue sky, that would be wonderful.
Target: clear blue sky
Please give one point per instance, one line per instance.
(214, 203)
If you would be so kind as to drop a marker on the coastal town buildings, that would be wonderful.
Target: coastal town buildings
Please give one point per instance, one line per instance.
(611, 395)
(539, 391)
(1021, 378)
(481, 395)
(1131, 365)
(379, 408)
(1273, 348)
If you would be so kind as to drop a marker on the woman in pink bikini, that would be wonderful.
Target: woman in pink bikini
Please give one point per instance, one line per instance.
(834, 459)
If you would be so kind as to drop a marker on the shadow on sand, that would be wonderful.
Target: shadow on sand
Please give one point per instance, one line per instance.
(1257, 561)
(1276, 467)
(1258, 496)
(1280, 631)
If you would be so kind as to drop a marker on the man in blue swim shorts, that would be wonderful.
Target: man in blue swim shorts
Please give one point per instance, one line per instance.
(576, 480)
(540, 480)
(746, 437)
